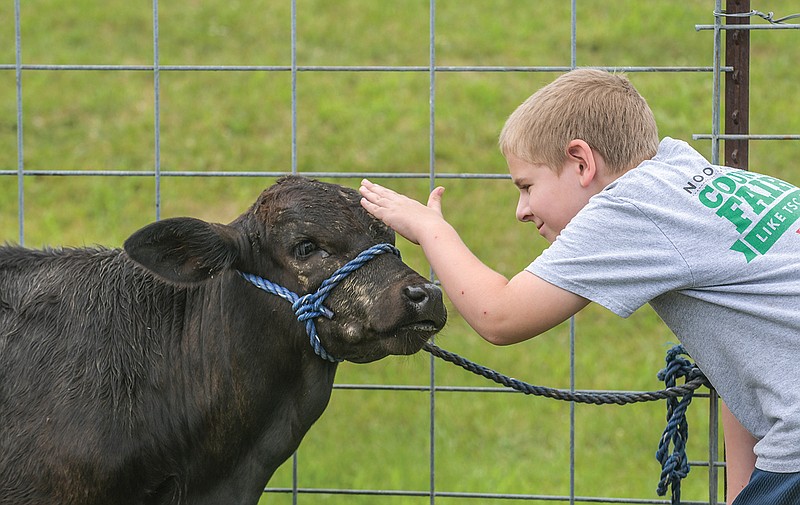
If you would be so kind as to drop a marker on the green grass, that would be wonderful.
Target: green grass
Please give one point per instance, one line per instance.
(379, 122)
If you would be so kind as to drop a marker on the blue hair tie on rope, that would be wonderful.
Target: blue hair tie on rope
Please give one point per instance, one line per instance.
(310, 306)
(675, 465)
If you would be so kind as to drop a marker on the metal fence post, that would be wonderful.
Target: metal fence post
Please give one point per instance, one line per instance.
(737, 84)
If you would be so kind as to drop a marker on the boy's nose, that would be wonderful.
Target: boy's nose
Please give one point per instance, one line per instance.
(523, 211)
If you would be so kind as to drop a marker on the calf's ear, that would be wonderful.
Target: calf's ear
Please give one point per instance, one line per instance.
(184, 250)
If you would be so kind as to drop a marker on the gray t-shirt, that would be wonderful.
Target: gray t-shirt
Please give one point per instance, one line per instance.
(715, 251)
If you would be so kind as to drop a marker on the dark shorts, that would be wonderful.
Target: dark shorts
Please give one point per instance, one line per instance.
(767, 488)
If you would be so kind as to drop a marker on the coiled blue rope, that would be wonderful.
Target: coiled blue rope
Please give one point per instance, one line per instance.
(675, 464)
(310, 306)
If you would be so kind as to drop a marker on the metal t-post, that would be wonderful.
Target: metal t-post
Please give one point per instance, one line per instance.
(737, 85)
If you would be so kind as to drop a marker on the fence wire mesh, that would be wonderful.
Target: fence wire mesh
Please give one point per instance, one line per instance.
(431, 81)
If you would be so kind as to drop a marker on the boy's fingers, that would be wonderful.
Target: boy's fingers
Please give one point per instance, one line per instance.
(374, 192)
(375, 198)
(369, 206)
(366, 185)
(435, 199)
(367, 190)
(376, 188)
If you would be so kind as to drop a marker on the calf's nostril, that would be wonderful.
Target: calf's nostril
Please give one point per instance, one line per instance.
(416, 294)
(424, 306)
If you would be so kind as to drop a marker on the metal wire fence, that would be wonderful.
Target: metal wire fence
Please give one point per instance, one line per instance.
(295, 489)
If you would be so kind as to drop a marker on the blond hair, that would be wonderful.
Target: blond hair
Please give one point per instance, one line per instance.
(598, 107)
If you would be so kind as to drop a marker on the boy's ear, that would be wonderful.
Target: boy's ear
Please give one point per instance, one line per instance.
(184, 250)
(582, 157)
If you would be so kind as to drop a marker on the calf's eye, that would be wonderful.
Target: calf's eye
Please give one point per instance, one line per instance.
(305, 249)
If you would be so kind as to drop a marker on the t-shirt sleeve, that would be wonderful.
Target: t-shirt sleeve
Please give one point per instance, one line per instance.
(614, 254)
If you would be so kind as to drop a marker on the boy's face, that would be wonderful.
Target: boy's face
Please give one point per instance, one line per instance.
(547, 199)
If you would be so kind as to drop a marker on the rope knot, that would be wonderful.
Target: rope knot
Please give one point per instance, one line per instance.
(310, 306)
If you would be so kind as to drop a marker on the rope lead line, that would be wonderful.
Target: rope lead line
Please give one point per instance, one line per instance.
(695, 380)
(675, 466)
(310, 306)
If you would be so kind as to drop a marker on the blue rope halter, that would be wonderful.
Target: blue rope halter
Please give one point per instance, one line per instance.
(309, 306)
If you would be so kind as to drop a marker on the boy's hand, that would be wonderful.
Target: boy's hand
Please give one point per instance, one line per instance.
(407, 217)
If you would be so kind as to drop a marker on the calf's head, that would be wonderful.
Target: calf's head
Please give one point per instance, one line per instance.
(296, 235)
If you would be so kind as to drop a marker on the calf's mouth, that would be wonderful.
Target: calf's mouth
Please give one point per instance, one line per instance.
(365, 345)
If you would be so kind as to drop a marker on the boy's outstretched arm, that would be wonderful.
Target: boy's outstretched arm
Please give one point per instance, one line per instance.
(502, 311)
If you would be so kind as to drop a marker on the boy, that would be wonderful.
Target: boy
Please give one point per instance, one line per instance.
(632, 220)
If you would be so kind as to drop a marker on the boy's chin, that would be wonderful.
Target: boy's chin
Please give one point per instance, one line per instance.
(548, 235)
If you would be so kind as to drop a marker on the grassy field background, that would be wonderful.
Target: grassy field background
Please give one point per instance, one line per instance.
(379, 122)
